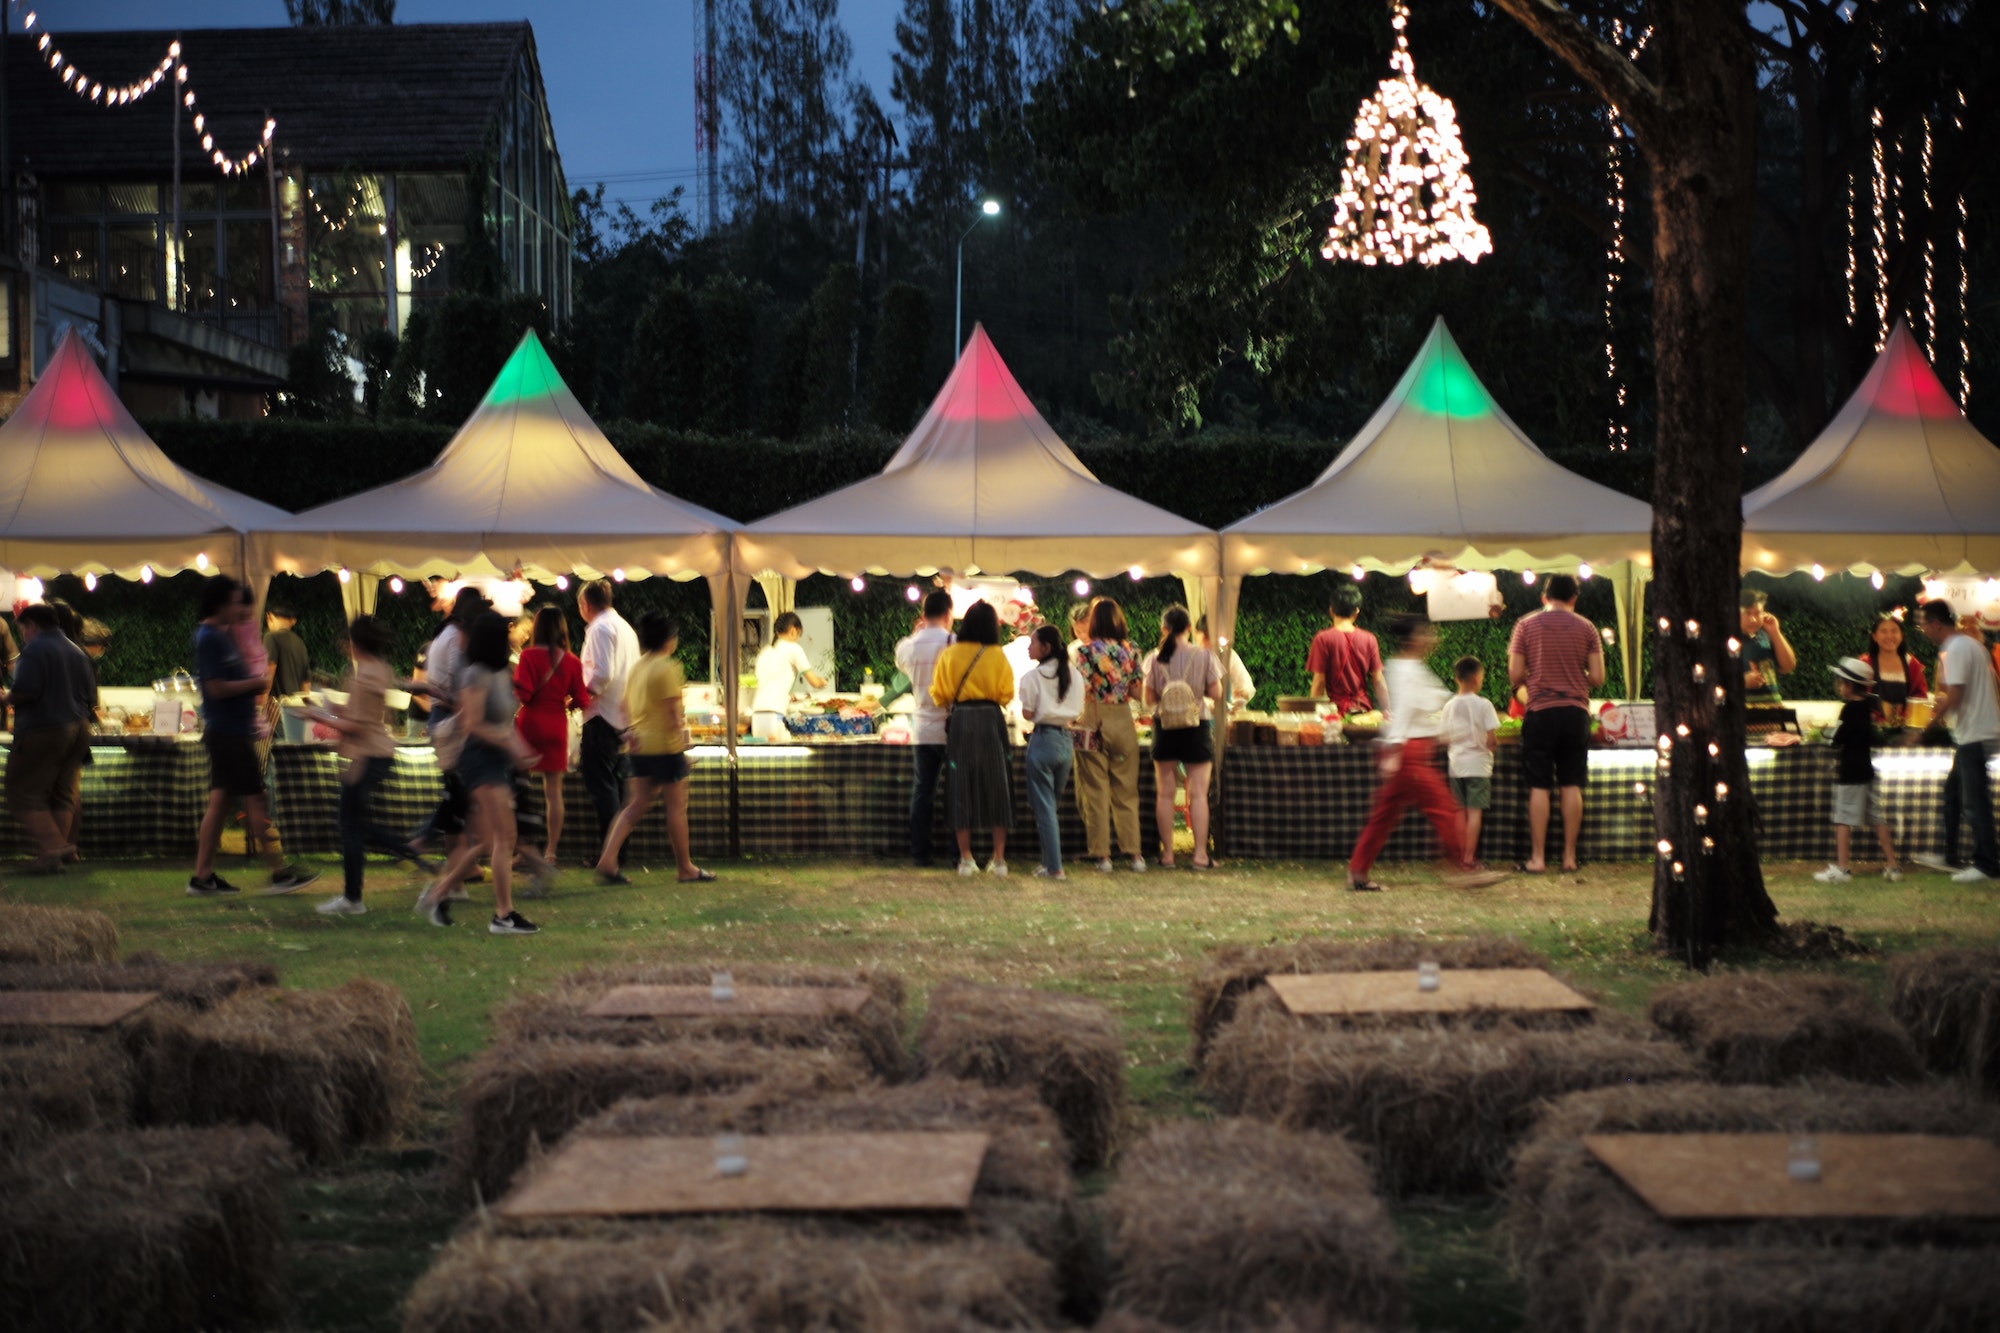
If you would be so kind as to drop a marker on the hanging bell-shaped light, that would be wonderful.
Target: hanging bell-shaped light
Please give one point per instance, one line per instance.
(1405, 196)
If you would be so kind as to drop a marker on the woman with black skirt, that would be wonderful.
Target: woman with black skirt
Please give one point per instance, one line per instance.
(975, 683)
(1178, 679)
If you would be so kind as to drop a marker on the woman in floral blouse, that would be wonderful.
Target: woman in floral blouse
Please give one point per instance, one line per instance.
(1107, 770)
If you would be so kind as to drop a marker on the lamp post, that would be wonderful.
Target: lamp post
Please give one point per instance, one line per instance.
(987, 208)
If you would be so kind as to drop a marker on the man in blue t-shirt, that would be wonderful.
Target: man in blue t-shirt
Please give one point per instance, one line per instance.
(229, 691)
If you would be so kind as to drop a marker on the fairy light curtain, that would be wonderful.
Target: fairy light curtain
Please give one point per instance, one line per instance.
(1405, 196)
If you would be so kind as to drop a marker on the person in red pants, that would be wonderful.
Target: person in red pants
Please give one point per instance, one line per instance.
(1406, 757)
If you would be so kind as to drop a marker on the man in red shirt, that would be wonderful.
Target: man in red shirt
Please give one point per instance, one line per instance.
(1558, 655)
(1345, 662)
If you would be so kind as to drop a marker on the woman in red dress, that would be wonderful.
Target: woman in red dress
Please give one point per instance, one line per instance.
(548, 681)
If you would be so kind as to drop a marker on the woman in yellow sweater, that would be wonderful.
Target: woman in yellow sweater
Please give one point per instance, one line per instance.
(973, 680)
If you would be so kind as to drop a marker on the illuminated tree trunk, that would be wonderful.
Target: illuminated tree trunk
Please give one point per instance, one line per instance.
(1696, 125)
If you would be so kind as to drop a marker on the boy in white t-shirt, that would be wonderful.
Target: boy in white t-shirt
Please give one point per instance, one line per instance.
(1470, 727)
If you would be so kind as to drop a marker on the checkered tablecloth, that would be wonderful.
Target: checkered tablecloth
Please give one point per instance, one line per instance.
(1310, 802)
(141, 797)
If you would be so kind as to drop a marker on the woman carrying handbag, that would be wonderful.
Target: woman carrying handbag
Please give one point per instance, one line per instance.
(973, 681)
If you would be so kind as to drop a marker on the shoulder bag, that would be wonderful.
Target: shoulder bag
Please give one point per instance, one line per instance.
(952, 707)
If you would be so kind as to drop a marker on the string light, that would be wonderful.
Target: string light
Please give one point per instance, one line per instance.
(145, 573)
(1618, 434)
(89, 580)
(858, 583)
(562, 583)
(396, 587)
(1875, 580)
(1404, 192)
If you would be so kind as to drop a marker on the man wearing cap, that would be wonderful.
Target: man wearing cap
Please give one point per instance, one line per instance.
(1967, 702)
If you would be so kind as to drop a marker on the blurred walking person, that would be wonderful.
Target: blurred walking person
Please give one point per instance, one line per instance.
(368, 753)
(659, 745)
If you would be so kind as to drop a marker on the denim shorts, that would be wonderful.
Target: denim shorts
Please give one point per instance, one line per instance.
(483, 765)
(660, 767)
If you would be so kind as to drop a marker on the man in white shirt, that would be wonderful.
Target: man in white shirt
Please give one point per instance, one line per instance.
(779, 669)
(1234, 673)
(1967, 701)
(610, 650)
(916, 657)
(442, 663)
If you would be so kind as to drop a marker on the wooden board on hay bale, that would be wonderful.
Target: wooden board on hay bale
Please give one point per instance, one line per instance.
(1066, 1049)
(518, 1094)
(744, 1274)
(1233, 970)
(1235, 1224)
(35, 934)
(200, 985)
(874, 1031)
(145, 1229)
(1948, 1000)
(1596, 1257)
(1759, 1028)
(328, 1069)
(1438, 1107)
(62, 1082)
(1305, 1320)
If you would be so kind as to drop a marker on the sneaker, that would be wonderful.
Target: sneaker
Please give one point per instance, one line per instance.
(1932, 861)
(1139, 863)
(342, 906)
(423, 906)
(1972, 875)
(290, 879)
(998, 868)
(215, 886)
(458, 894)
(1104, 866)
(438, 913)
(1893, 875)
(968, 866)
(1043, 872)
(511, 924)
(1834, 875)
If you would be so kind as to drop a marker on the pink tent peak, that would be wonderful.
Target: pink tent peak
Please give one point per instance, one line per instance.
(981, 388)
(78, 397)
(1905, 385)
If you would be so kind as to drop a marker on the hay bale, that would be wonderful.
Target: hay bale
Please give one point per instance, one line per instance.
(1064, 1048)
(1758, 1028)
(1801, 1287)
(875, 1032)
(1571, 1224)
(1234, 1224)
(1948, 1000)
(31, 934)
(736, 1275)
(1439, 1108)
(1304, 1319)
(328, 1069)
(520, 1094)
(145, 1229)
(60, 1083)
(1236, 969)
(197, 985)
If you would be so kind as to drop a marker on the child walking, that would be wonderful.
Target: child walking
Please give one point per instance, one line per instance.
(1856, 803)
(1471, 727)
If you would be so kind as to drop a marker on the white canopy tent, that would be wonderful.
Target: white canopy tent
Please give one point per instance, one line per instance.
(528, 484)
(1899, 482)
(982, 485)
(1441, 476)
(83, 490)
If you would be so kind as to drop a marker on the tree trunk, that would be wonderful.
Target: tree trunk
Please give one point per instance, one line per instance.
(1697, 128)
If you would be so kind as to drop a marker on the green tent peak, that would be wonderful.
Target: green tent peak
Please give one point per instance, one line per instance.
(528, 374)
(1443, 383)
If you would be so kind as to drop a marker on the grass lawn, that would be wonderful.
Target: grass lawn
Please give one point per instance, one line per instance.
(363, 1231)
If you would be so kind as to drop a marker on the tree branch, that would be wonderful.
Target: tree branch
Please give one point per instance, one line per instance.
(1601, 65)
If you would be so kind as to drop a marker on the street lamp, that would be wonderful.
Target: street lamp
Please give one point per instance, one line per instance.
(987, 208)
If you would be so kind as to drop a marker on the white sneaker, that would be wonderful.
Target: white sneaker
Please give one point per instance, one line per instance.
(423, 906)
(1833, 875)
(1139, 863)
(342, 906)
(998, 868)
(1104, 866)
(1972, 875)
(1893, 875)
(1932, 861)
(1043, 872)
(968, 866)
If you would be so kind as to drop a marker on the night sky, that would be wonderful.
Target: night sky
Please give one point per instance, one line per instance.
(620, 73)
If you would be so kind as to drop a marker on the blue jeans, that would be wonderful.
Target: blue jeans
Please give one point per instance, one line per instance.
(923, 799)
(358, 831)
(1968, 795)
(1049, 758)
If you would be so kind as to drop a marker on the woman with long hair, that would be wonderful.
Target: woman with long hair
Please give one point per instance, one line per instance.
(1110, 671)
(548, 680)
(1899, 677)
(484, 711)
(972, 681)
(1179, 679)
(1051, 698)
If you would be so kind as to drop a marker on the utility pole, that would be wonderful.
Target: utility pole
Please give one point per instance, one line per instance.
(707, 123)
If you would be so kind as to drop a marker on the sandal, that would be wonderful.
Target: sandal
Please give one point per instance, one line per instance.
(698, 877)
(615, 877)
(1364, 886)
(1522, 868)
(1202, 865)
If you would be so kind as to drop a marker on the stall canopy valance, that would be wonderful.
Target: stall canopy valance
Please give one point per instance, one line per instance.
(1440, 471)
(982, 485)
(1899, 482)
(528, 483)
(84, 490)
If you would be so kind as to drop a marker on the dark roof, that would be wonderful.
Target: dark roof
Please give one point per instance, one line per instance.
(368, 96)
